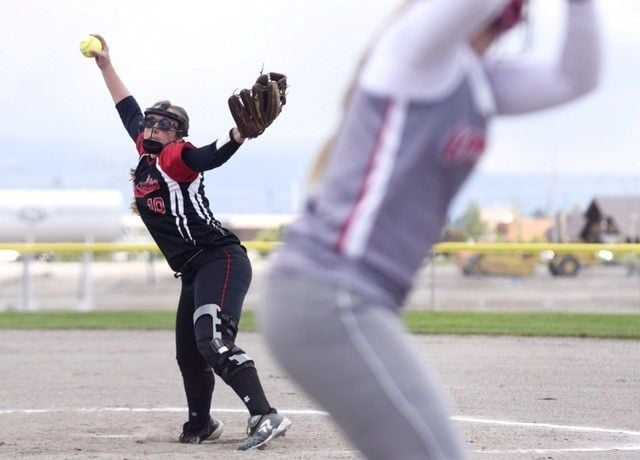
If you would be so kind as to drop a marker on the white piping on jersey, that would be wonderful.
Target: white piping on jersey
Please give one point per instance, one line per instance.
(177, 204)
(359, 224)
(196, 200)
(481, 90)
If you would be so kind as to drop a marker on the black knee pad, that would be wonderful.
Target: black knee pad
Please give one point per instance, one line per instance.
(231, 362)
(215, 335)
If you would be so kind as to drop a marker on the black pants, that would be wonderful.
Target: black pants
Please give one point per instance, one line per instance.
(223, 279)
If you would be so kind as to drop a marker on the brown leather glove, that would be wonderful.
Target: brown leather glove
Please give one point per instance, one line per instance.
(254, 109)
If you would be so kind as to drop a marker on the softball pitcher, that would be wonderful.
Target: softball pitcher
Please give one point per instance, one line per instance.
(213, 266)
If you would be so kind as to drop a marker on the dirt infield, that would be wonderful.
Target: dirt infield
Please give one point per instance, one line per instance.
(117, 395)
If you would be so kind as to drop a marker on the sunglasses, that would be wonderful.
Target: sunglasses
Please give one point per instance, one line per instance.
(162, 124)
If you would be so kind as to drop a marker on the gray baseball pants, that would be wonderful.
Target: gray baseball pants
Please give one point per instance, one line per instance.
(356, 361)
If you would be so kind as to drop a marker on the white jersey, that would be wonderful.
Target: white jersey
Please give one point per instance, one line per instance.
(415, 128)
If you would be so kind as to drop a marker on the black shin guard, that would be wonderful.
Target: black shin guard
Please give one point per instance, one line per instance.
(215, 335)
(247, 386)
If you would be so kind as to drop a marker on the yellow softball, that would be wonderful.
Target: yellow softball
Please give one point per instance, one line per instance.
(90, 45)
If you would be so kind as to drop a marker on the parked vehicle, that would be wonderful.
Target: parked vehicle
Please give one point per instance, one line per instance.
(498, 264)
(560, 264)
(568, 264)
(571, 264)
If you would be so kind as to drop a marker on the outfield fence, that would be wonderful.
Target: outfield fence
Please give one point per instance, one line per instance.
(86, 253)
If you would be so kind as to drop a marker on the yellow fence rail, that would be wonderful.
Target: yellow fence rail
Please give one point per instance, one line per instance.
(535, 248)
(81, 248)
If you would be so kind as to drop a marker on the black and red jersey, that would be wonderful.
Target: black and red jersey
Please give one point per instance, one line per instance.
(170, 195)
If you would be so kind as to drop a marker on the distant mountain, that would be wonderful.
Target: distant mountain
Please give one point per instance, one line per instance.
(256, 181)
(547, 194)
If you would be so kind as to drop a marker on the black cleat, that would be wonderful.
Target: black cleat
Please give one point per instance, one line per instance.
(211, 431)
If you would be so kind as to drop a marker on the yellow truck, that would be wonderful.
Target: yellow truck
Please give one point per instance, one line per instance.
(524, 264)
(571, 264)
(498, 264)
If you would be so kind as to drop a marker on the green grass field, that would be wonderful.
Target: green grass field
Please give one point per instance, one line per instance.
(418, 322)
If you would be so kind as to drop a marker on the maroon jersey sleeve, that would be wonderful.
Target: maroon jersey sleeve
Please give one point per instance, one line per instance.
(171, 162)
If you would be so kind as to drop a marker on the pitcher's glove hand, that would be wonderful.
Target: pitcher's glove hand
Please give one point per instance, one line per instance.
(254, 109)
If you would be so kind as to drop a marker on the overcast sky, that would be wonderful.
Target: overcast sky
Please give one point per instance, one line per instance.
(196, 53)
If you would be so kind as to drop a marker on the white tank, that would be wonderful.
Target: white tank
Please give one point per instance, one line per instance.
(60, 215)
